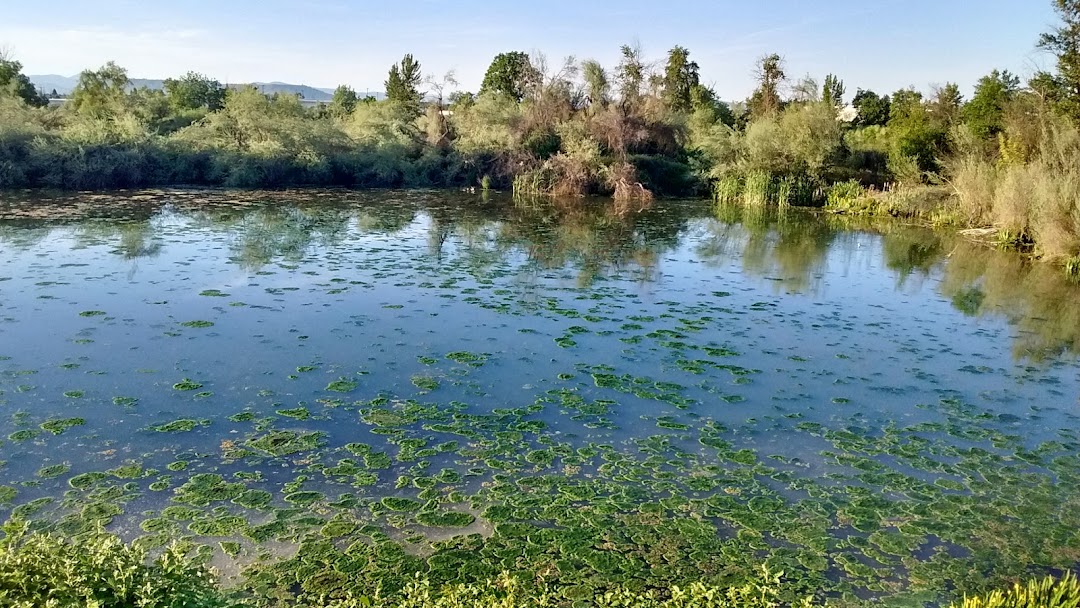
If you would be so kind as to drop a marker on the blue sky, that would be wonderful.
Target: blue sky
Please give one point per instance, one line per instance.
(877, 44)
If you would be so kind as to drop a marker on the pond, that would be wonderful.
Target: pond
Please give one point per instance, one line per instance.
(328, 388)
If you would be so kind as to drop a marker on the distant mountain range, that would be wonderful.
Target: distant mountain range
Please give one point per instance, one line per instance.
(64, 85)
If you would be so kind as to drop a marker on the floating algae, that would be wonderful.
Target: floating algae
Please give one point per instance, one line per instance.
(693, 432)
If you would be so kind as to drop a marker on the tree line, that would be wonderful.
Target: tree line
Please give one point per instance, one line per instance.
(575, 128)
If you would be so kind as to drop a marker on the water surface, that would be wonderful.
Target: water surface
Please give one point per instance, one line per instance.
(596, 394)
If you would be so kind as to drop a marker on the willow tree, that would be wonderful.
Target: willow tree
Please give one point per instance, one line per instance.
(194, 91)
(597, 84)
(630, 76)
(343, 102)
(510, 74)
(101, 93)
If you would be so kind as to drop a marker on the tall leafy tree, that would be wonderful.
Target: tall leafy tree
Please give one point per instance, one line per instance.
(680, 78)
(708, 106)
(915, 133)
(195, 91)
(510, 74)
(101, 93)
(832, 92)
(402, 85)
(630, 76)
(597, 84)
(873, 109)
(1064, 42)
(343, 102)
(769, 73)
(985, 113)
(946, 103)
(13, 82)
(907, 106)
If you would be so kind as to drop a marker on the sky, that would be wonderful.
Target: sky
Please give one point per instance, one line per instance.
(882, 45)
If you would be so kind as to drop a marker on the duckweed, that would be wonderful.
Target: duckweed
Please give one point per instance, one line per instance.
(187, 385)
(395, 503)
(341, 385)
(639, 466)
(52, 471)
(183, 425)
(59, 425)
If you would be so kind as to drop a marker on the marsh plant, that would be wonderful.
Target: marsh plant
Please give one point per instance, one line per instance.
(40, 570)
(43, 570)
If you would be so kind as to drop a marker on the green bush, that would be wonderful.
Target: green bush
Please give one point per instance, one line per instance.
(845, 195)
(45, 571)
(1045, 593)
(39, 570)
(507, 591)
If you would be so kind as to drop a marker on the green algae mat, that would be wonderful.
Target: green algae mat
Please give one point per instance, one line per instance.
(324, 389)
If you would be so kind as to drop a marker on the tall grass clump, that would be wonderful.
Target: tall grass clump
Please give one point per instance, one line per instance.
(1045, 593)
(727, 190)
(1033, 204)
(757, 189)
(846, 196)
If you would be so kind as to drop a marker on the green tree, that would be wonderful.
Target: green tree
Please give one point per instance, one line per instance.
(152, 108)
(1064, 42)
(906, 106)
(946, 103)
(805, 90)
(461, 101)
(13, 82)
(873, 109)
(832, 92)
(630, 77)
(703, 100)
(511, 74)
(769, 73)
(597, 84)
(985, 113)
(344, 101)
(101, 93)
(402, 86)
(194, 91)
(916, 136)
(680, 78)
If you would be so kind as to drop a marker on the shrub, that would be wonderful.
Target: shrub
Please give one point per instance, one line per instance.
(99, 570)
(845, 195)
(1045, 593)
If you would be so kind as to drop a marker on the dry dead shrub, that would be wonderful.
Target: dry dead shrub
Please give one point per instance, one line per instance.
(622, 178)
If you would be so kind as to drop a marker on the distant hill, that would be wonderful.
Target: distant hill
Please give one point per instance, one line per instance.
(65, 84)
(62, 84)
(305, 92)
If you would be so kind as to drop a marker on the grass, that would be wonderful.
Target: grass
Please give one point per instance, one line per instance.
(1033, 205)
(1046, 593)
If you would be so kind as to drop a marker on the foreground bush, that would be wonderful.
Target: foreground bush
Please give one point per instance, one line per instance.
(508, 592)
(46, 571)
(1034, 203)
(99, 571)
(1047, 593)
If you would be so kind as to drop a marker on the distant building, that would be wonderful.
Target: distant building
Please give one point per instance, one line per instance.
(848, 114)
